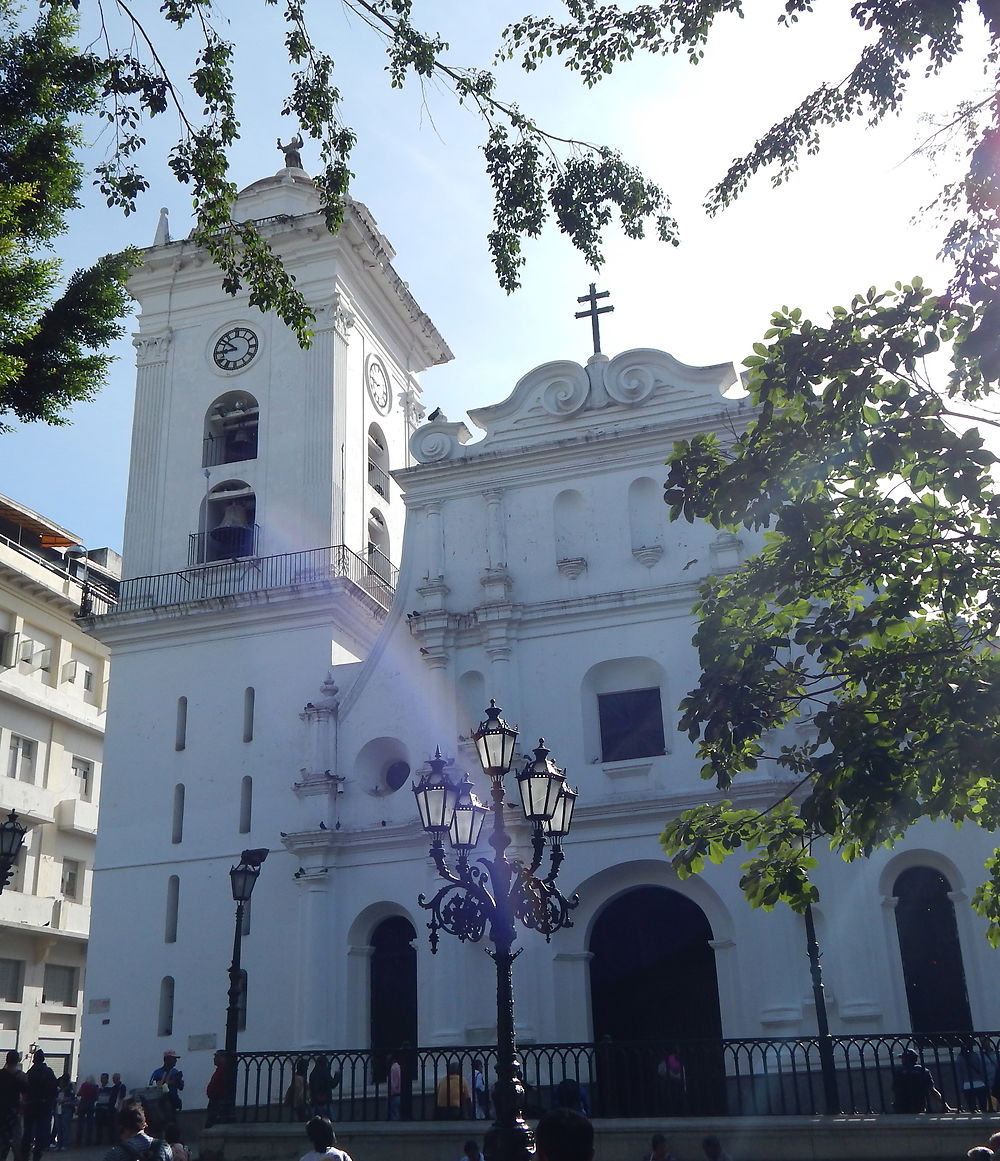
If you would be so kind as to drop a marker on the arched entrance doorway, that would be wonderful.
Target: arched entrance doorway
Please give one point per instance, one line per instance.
(393, 981)
(654, 994)
(933, 972)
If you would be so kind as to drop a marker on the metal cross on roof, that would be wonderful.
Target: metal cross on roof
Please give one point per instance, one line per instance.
(594, 311)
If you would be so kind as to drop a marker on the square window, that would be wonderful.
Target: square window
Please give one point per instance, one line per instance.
(21, 759)
(83, 772)
(59, 985)
(11, 980)
(71, 884)
(631, 724)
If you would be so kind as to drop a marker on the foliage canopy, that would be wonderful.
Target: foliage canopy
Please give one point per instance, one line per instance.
(49, 344)
(858, 649)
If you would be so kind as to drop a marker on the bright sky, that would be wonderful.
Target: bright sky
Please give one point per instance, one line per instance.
(842, 224)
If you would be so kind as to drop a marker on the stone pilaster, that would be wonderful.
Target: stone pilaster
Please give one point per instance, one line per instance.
(146, 485)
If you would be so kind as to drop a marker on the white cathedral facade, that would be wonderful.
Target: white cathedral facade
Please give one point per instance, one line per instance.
(269, 691)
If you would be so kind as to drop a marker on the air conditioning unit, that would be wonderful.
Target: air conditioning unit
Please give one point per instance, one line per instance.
(70, 671)
(43, 659)
(8, 649)
(26, 650)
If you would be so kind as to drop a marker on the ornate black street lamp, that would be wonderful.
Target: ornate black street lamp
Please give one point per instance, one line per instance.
(243, 878)
(496, 891)
(12, 835)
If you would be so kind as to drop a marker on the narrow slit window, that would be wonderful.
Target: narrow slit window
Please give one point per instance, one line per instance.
(173, 899)
(248, 700)
(182, 723)
(165, 1023)
(177, 827)
(246, 804)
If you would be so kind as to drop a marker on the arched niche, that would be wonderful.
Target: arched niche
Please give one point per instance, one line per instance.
(472, 701)
(569, 527)
(227, 528)
(230, 429)
(378, 460)
(378, 545)
(646, 517)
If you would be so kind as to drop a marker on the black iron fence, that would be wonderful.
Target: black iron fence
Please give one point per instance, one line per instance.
(735, 1077)
(255, 573)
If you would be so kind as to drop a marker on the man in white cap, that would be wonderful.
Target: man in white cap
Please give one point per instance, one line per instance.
(170, 1079)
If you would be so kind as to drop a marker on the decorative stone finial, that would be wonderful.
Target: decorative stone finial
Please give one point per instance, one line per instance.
(329, 690)
(162, 229)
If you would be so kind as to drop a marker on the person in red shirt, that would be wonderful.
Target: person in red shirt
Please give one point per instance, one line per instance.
(217, 1090)
(86, 1100)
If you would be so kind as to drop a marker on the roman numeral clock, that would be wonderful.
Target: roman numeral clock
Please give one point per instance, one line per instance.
(235, 349)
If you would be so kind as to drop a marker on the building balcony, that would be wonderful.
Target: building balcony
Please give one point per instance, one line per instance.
(71, 917)
(34, 802)
(76, 815)
(20, 909)
(252, 574)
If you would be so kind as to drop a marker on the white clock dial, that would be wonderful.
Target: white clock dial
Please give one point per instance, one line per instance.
(378, 385)
(235, 349)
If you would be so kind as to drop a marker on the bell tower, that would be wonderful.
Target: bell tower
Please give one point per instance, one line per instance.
(246, 446)
(263, 529)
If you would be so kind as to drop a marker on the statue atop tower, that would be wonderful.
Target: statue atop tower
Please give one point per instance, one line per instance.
(293, 158)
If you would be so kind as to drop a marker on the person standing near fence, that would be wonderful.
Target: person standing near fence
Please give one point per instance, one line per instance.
(39, 1107)
(452, 1098)
(13, 1085)
(480, 1093)
(913, 1086)
(217, 1090)
(394, 1082)
(976, 1072)
(321, 1086)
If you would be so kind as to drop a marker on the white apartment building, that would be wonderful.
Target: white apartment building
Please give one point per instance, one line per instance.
(53, 686)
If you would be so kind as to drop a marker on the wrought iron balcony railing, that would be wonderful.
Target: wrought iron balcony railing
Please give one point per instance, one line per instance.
(378, 480)
(223, 544)
(257, 573)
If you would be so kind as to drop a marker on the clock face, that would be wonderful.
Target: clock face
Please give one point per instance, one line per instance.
(235, 349)
(378, 385)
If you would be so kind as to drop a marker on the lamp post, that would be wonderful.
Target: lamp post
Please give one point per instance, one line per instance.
(77, 552)
(12, 835)
(243, 878)
(495, 892)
